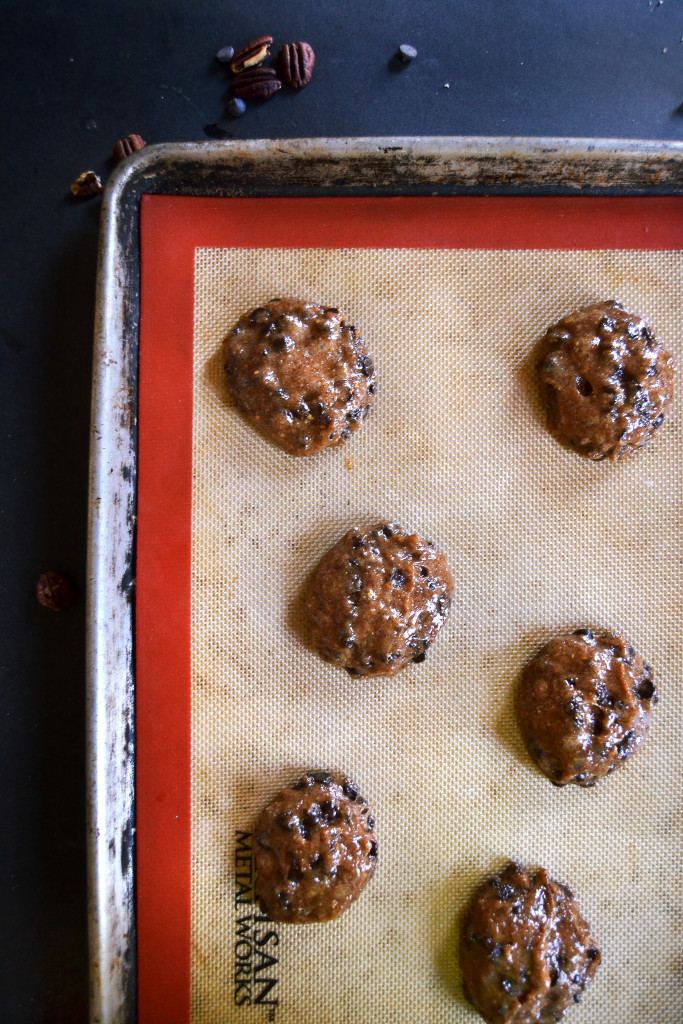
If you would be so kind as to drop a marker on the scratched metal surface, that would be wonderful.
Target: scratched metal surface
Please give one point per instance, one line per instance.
(380, 166)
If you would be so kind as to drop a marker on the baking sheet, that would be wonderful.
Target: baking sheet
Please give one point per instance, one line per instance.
(539, 541)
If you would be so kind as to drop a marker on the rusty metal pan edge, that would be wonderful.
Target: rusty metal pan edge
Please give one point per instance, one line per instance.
(408, 165)
(428, 166)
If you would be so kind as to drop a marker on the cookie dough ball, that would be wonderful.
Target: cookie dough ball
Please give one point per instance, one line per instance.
(315, 849)
(377, 600)
(606, 382)
(526, 952)
(300, 374)
(584, 706)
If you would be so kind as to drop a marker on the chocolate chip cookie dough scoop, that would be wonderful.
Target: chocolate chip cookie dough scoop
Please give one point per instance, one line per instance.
(606, 382)
(526, 953)
(315, 849)
(300, 374)
(584, 706)
(377, 600)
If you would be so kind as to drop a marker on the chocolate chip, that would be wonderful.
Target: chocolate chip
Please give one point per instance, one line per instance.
(660, 419)
(310, 821)
(406, 53)
(503, 890)
(225, 54)
(322, 778)
(584, 632)
(645, 689)
(329, 811)
(236, 107)
(355, 584)
(262, 840)
(366, 366)
(372, 852)
(592, 953)
(599, 721)
(398, 578)
(261, 315)
(288, 820)
(624, 746)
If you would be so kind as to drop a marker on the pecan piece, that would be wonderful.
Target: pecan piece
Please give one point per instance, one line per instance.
(256, 84)
(54, 591)
(251, 55)
(296, 62)
(124, 147)
(86, 185)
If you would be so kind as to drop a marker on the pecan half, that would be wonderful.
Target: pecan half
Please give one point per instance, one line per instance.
(296, 62)
(86, 185)
(124, 147)
(256, 84)
(251, 55)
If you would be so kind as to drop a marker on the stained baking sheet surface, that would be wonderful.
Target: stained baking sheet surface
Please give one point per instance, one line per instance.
(539, 541)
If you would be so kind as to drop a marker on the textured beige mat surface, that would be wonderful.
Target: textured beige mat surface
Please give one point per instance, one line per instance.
(539, 541)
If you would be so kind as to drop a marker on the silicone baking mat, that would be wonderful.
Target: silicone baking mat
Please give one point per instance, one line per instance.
(451, 295)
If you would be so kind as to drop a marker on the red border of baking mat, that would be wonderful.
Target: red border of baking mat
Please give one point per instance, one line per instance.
(171, 229)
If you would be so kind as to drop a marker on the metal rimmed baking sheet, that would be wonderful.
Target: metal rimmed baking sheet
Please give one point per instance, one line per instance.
(446, 166)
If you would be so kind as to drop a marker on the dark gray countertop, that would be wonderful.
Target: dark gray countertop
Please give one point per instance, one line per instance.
(77, 78)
